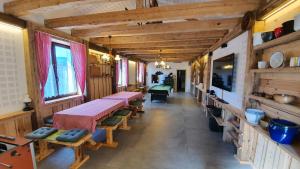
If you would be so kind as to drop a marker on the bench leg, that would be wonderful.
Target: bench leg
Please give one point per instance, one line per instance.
(92, 145)
(125, 123)
(109, 139)
(44, 151)
(80, 157)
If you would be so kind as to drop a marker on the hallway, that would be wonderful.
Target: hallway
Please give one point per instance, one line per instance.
(174, 135)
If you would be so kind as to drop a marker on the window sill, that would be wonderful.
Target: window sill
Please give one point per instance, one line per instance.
(121, 86)
(63, 99)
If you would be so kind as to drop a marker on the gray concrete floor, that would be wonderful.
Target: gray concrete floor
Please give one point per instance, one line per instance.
(171, 135)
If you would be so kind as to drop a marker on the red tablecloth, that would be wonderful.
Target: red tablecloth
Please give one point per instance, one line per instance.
(85, 116)
(126, 96)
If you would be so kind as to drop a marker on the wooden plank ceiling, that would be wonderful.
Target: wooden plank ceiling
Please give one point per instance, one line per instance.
(149, 31)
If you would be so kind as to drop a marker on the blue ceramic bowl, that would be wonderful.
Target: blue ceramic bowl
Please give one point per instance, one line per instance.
(283, 131)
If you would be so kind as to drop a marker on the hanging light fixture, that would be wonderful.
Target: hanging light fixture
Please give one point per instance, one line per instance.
(117, 58)
(162, 62)
(106, 57)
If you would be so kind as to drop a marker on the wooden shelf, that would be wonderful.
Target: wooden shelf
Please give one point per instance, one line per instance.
(233, 135)
(235, 125)
(279, 41)
(283, 107)
(219, 120)
(277, 70)
(235, 142)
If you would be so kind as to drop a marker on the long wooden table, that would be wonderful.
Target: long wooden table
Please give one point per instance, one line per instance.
(125, 96)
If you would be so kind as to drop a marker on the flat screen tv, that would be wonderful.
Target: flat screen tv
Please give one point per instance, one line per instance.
(223, 70)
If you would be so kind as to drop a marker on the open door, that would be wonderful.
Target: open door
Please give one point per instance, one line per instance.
(181, 80)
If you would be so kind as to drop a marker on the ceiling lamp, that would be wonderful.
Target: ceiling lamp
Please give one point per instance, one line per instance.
(105, 57)
(162, 63)
(156, 63)
(117, 58)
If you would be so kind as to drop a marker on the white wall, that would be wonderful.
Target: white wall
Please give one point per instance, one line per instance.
(174, 67)
(13, 85)
(132, 72)
(238, 46)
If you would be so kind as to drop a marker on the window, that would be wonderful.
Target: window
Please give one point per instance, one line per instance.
(140, 74)
(61, 80)
(122, 68)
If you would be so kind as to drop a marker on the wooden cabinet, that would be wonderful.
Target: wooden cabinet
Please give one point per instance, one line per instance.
(263, 153)
(15, 124)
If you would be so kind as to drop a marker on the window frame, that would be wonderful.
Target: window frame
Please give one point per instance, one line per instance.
(54, 64)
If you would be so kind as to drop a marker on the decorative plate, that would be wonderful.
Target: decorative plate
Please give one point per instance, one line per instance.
(277, 60)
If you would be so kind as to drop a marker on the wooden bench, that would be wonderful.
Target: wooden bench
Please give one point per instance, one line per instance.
(109, 131)
(78, 147)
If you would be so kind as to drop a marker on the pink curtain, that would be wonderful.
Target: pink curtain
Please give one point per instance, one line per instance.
(117, 73)
(79, 61)
(138, 71)
(43, 50)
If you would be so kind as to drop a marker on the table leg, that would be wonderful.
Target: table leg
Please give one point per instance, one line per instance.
(109, 138)
(79, 156)
(44, 151)
(125, 123)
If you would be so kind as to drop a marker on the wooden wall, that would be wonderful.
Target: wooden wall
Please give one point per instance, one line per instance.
(264, 153)
(100, 78)
(200, 83)
(15, 124)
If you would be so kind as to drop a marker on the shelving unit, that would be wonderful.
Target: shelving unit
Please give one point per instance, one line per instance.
(284, 107)
(279, 41)
(277, 70)
(270, 81)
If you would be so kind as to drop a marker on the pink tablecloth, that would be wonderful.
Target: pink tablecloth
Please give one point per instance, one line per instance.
(126, 96)
(85, 116)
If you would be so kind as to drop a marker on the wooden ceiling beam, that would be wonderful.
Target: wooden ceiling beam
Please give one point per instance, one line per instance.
(172, 51)
(203, 10)
(22, 7)
(165, 55)
(175, 27)
(161, 37)
(196, 46)
(164, 44)
(168, 59)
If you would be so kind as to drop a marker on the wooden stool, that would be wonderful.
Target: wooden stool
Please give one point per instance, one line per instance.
(78, 147)
(125, 114)
(110, 124)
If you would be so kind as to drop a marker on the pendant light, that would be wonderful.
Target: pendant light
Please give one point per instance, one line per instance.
(117, 58)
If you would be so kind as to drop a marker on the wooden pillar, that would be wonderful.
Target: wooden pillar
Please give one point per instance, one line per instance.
(139, 4)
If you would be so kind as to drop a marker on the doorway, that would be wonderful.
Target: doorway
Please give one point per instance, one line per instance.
(181, 80)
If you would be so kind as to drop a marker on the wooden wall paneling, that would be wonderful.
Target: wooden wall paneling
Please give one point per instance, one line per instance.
(254, 138)
(97, 89)
(284, 160)
(270, 155)
(260, 152)
(295, 164)
(16, 124)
